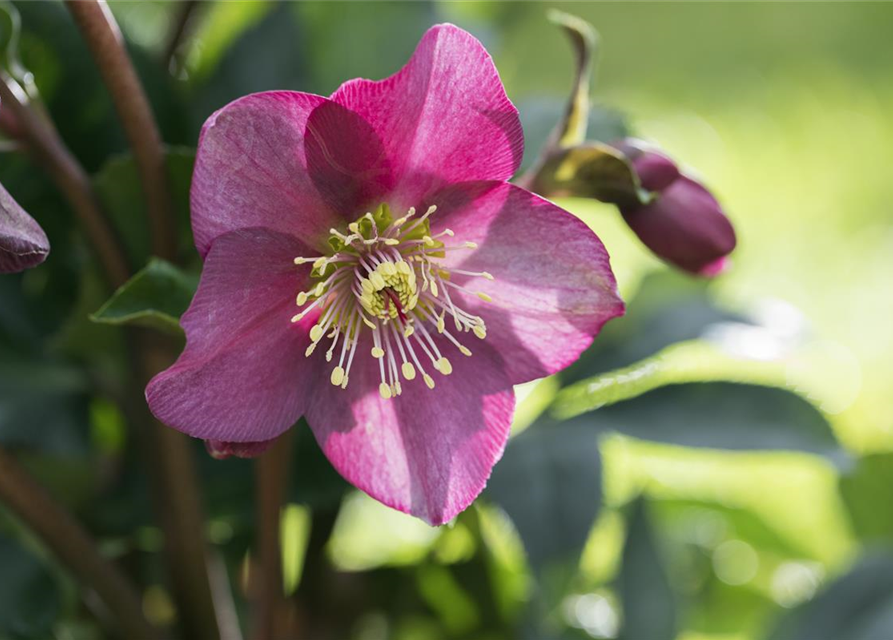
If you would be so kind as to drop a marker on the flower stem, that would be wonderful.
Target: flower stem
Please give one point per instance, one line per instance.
(271, 477)
(74, 547)
(106, 44)
(43, 142)
(183, 25)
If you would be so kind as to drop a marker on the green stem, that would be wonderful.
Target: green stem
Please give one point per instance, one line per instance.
(74, 547)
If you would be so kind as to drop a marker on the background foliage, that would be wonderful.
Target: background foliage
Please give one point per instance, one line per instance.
(717, 467)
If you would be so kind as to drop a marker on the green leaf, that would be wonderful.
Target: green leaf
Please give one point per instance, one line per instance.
(43, 405)
(30, 599)
(861, 489)
(155, 297)
(859, 606)
(590, 170)
(118, 186)
(549, 484)
(571, 129)
(649, 608)
(722, 415)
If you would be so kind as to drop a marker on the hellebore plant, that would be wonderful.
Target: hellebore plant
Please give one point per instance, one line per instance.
(367, 265)
(683, 223)
(23, 244)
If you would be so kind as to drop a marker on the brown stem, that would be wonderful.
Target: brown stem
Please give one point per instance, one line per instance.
(47, 148)
(177, 496)
(175, 493)
(182, 19)
(104, 40)
(271, 474)
(74, 547)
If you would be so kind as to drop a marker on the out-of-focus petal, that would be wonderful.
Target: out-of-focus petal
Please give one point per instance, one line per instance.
(553, 288)
(23, 244)
(443, 118)
(428, 452)
(243, 376)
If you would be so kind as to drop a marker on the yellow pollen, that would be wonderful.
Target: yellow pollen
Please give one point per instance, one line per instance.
(319, 289)
(309, 350)
(398, 390)
(483, 296)
(429, 242)
(377, 352)
(441, 325)
(337, 376)
(302, 298)
(384, 390)
(316, 333)
(465, 351)
(480, 332)
(408, 371)
(408, 331)
(471, 245)
(428, 381)
(444, 366)
(487, 275)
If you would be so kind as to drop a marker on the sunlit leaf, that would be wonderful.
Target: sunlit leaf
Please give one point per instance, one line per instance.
(155, 297)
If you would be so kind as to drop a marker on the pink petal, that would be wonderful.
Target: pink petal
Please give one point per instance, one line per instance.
(222, 450)
(444, 117)
(23, 244)
(243, 376)
(553, 287)
(288, 161)
(428, 452)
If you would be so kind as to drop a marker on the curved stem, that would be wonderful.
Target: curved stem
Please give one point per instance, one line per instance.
(104, 40)
(271, 477)
(74, 547)
(44, 143)
(182, 26)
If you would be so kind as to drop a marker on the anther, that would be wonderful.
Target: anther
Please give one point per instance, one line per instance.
(377, 352)
(443, 365)
(408, 371)
(483, 296)
(337, 376)
(316, 333)
(385, 391)
(428, 380)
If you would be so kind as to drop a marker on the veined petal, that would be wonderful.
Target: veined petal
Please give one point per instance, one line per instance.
(552, 288)
(243, 376)
(288, 161)
(23, 244)
(427, 452)
(443, 118)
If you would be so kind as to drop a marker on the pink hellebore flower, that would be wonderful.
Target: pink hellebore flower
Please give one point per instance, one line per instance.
(23, 244)
(426, 284)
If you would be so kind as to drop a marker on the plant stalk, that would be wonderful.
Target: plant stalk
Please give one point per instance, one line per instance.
(74, 547)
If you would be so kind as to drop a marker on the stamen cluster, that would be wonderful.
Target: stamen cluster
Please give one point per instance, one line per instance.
(386, 275)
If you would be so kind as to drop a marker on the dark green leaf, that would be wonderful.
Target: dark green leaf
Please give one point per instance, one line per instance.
(118, 186)
(549, 483)
(155, 297)
(43, 405)
(722, 415)
(649, 608)
(858, 606)
(29, 596)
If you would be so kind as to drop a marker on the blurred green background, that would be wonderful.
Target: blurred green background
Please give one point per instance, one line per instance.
(747, 496)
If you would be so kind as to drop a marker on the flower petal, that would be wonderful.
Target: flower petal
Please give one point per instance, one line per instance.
(428, 452)
(553, 287)
(443, 118)
(222, 450)
(23, 244)
(243, 376)
(287, 161)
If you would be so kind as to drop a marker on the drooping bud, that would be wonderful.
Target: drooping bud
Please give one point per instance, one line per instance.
(683, 224)
(23, 244)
